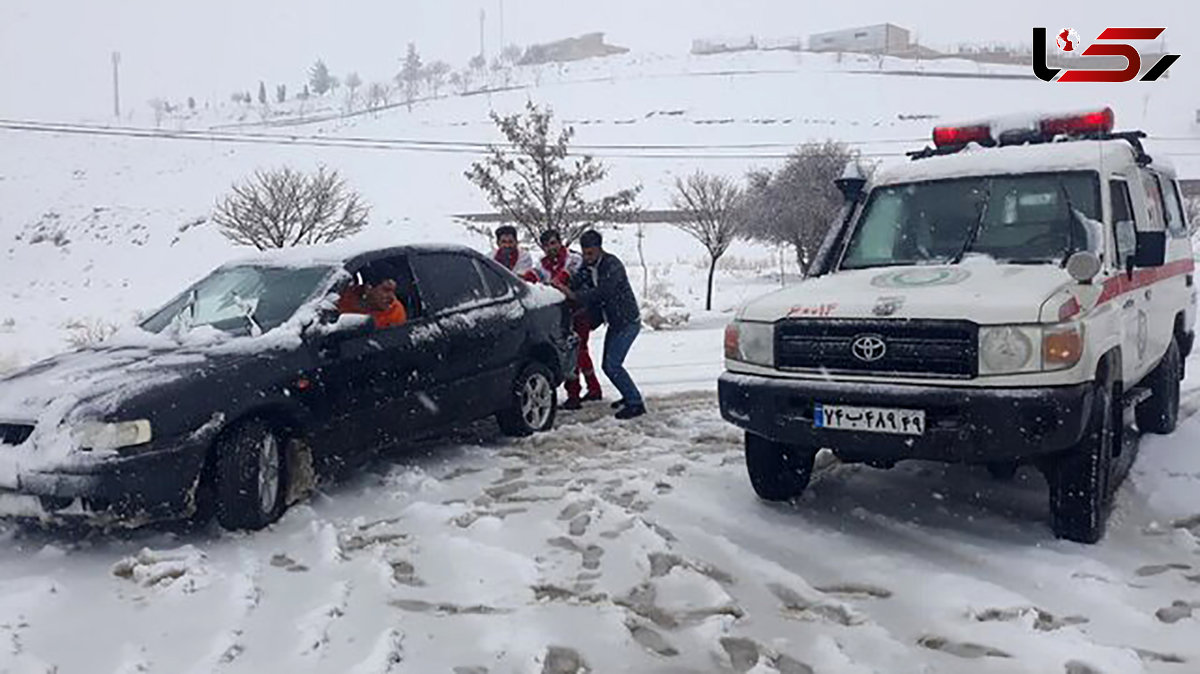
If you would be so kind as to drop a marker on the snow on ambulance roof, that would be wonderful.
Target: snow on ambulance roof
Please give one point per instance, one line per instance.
(974, 160)
(337, 253)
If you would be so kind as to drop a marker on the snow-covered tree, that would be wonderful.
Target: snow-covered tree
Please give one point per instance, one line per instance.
(281, 93)
(410, 75)
(537, 183)
(353, 82)
(711, 210)
(379, 95)
(262, 93)
(319, 78)
(284, 207)
(435, 76)
(160, 107)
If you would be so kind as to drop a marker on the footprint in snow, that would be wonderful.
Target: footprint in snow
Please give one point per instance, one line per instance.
(1152, 656)
(1178, 610)
(1077, 667)
(796, 606)
(282, 561)
(856, 590)
(743, 653)
(1158, 569)
(445, 609)
(1043, 621)
(561, 660)
(651, 640)
(661, 564)
(470, 670)
(576, 509)
(591, 554)
(961, 649)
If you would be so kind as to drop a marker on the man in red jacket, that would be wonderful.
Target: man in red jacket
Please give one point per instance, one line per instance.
(510, 254)
(558, 265)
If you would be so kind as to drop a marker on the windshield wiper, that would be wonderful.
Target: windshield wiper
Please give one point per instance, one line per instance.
(1071, 220)
(973, 235)
(248, 308)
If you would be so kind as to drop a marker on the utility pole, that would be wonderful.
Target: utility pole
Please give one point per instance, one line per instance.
(482, 21)
(502, 42)
(116, 65)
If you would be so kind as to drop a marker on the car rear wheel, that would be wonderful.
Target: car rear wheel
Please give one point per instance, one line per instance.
(1160, 412)
(250, 471)
(778, 472)
(534, 403)
(1080, 478)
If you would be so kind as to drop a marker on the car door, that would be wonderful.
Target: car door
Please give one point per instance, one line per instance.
(461, 334)
(1136, 300)
(368, 380)
(1171, 293)
(508, 329)
(1130, 305)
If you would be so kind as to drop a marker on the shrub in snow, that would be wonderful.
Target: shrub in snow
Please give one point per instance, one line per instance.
(284, 207)
(661, 310)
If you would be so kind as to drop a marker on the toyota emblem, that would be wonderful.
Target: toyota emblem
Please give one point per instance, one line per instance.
(868, 348)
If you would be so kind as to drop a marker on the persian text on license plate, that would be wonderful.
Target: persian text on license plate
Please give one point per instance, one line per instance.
(869, 419)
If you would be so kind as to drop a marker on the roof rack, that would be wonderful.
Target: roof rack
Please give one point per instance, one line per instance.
(1134, 138)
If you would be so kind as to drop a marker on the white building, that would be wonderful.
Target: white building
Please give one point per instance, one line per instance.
(884, 38)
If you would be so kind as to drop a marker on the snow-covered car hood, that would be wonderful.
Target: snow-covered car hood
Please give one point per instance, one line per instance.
(982, 291)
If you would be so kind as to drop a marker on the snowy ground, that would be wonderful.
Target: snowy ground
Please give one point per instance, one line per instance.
(635, 547)
(609, 547)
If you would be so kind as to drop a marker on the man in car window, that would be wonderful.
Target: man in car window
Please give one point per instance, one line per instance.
(604, 286)
(378, 300)
(510, 254)
(561, 264)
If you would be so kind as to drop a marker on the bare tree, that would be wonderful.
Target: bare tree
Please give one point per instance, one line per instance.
(511, 54)
(379, 95)
(710, 205)
(353, 82)
(284, 207)
(159, 106)
(537, 182)
(797, 204)
(435, 76)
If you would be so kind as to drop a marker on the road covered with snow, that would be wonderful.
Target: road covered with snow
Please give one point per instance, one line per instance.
(631, 547)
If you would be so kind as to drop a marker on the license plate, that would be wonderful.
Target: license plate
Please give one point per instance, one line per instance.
(869, 419)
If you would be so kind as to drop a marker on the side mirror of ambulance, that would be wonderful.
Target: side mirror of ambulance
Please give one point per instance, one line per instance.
(1083, 266)
(1151, 249)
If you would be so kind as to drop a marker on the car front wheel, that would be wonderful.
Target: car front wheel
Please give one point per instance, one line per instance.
(1080, 478)
(778, 472)
(250, 472)
(533, 403)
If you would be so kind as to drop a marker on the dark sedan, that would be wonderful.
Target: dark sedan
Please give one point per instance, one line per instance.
(237, 393)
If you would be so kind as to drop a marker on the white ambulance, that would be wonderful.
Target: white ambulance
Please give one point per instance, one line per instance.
(1003, 298)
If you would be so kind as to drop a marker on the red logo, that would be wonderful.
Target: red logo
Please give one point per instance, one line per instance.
(1068, 41)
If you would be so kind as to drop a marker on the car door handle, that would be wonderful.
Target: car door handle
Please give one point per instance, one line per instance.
(1129, 303)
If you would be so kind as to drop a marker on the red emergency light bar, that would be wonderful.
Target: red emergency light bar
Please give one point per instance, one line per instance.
(946, 136)
(1080, 124)
(1099, 121)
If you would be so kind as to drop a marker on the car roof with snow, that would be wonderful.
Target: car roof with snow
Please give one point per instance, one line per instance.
(341, 253)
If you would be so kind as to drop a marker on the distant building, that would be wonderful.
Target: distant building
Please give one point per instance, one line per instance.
(884, 38)
(571, 49)
(723, 45)
(793, 43)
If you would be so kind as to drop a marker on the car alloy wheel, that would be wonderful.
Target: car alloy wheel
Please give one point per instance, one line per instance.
(537, 400)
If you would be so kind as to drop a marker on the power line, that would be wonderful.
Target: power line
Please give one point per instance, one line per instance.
(615, 151)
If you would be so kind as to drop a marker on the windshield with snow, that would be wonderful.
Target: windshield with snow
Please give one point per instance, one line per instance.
(242, 300)
(1021, 219)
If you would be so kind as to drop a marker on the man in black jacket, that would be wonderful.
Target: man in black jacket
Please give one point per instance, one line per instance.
(603, 287)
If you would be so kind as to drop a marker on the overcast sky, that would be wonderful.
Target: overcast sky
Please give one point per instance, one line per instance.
(54, 54)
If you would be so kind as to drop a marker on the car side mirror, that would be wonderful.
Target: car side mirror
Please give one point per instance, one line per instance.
(1083, 266)
(1151, 249)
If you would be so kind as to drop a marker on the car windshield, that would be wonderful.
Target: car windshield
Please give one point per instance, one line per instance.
(243, 299)
(1025, 218)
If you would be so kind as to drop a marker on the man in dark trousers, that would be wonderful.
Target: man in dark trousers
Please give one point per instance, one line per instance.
(604, 287)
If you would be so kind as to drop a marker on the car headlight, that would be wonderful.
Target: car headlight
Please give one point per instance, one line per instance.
(1007, 349)
(1013, 349)
(105, 436)
(750, 342)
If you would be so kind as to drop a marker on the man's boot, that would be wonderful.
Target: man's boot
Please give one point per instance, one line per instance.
(594, 392)
(572, 402)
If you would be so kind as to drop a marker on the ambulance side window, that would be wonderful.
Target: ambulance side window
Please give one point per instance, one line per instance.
(1154, 202)
(1122, 212)
(1176, 225)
